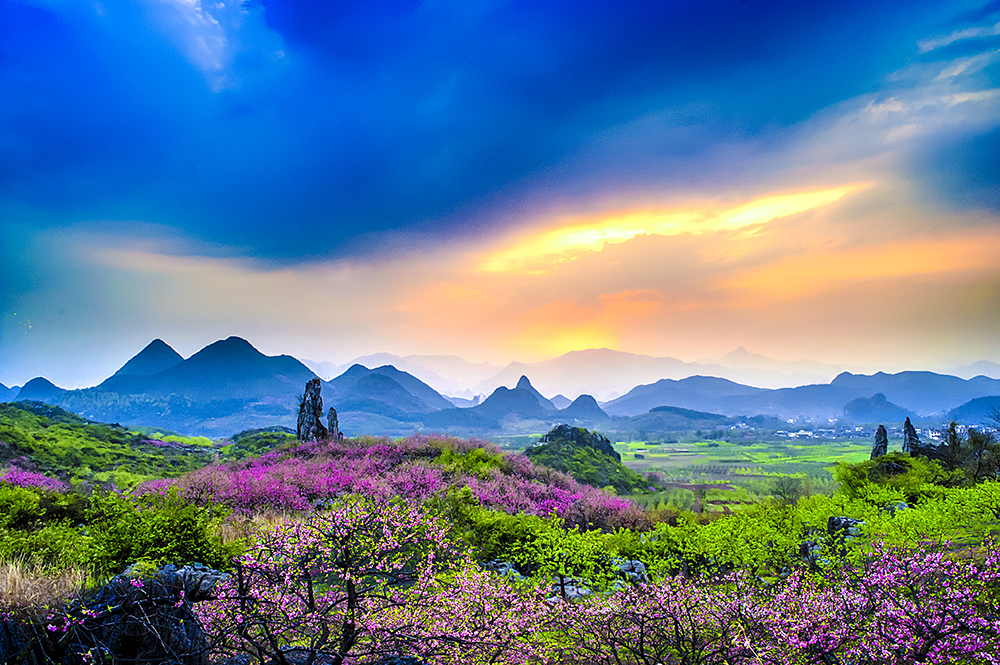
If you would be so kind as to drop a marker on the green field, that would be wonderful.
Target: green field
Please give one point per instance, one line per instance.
(723, 460)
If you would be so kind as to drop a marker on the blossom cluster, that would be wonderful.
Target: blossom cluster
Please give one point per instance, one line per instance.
(12, 475)
(317, 472)
(897, 606)
(366, 579)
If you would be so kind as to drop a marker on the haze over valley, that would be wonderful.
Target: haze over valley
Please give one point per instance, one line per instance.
(230, 386)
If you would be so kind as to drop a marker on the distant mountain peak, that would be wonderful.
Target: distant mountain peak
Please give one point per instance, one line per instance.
(153, 359)
(231, 347)
(39, 389)
(233, 342)
(524, 384)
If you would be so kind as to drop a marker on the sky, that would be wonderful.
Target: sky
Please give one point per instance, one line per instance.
(500, 180)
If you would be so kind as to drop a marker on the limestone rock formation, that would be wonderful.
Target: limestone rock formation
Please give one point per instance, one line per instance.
(333, 424)
(881, 445)
(128, 620)
(310, 426)
(911, 442)
(196, 579)
(631, 570)
(914, 446)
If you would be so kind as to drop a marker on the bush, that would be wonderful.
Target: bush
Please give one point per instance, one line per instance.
(55, 546)
(159, 528)
(895, 477)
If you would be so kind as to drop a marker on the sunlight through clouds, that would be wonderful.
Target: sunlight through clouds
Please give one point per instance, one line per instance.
(566, 243)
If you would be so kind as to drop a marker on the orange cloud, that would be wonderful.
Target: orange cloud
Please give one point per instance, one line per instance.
(533, 252)
(803, 275)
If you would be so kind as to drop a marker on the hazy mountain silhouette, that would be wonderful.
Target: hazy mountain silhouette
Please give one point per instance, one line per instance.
(156, 357)
(875, 409)
(605, 372)
(584, 409)
(670, 420)
(230, 386)
(978, 412)
(228, 369)
(504, 408)
(924, 393)
(449, 375)
(226, 387)
(519, 401)
(560, 401)
(695, 392)
(422, 398)
(40, 389)
(8, 394)
(981, 368)
(524, 384)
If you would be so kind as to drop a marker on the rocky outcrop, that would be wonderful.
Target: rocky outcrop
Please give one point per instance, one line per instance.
(911, 442)
(915, 447)
(881, 445)
(310, 426)
(333, 424)
(579, 436)
(631, 570)
(845, 527)
(128, 620)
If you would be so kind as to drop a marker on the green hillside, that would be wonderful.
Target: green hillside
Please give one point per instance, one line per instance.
(51, 440)
(587, 456)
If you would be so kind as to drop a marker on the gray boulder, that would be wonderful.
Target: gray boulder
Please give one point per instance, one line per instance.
(631, 570)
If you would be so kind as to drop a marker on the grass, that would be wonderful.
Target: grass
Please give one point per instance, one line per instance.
(25, 586)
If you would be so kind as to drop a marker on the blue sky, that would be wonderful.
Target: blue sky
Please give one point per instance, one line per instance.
(329, 179)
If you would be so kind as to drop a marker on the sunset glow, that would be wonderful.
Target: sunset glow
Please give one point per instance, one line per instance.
(504, 182)
(566, 242)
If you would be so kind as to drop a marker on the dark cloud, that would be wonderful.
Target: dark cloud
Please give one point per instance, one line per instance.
(398, 115)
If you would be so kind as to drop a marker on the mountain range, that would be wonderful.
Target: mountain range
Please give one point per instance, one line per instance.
(230, 386)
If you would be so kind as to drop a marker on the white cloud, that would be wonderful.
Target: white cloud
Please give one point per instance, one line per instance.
(212, 35)
(965, 33)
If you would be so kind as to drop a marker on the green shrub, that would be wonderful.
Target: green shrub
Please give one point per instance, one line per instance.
(477, 461)
(895, 477)
(55, 546)
(161, 529)
(20, 507)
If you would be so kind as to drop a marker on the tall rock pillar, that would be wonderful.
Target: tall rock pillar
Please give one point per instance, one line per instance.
(309, 426)
(881, 445)
(911, 442)
(333, 425)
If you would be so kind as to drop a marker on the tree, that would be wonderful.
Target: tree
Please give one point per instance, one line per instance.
(325, 585)
(983, 459)
(788, 489)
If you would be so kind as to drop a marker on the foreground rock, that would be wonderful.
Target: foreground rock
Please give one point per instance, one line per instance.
(128, 620)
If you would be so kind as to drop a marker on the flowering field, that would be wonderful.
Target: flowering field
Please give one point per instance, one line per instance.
(348, 551)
